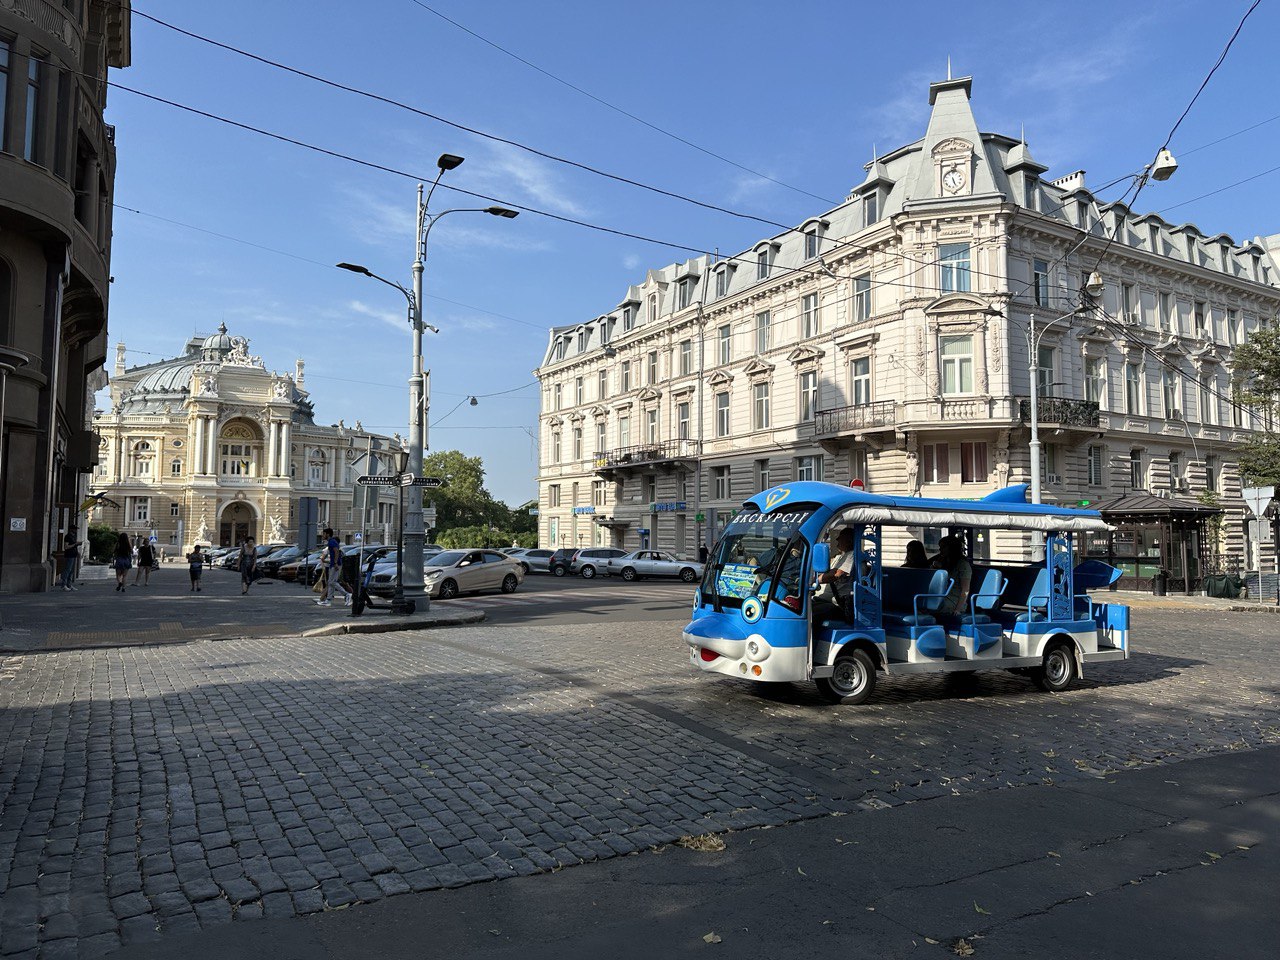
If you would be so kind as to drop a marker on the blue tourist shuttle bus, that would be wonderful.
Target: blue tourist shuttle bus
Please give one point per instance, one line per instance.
(756, 617)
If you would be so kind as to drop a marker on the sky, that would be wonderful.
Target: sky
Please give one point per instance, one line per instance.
(769, 110)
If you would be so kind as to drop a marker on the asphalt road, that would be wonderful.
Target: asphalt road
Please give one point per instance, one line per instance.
(543, 599)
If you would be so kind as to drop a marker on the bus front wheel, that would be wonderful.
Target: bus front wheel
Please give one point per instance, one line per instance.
(1059, 671)
(852, 680)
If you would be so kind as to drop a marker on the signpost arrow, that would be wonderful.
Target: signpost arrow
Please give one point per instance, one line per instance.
(378, 481)
(428, 481)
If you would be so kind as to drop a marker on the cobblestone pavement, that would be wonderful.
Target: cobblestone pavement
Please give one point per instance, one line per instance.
(152, 790)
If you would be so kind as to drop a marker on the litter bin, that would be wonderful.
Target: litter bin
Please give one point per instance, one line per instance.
(1160, 585)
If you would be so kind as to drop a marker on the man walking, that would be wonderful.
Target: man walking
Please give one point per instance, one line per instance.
(70, 557)
(333, 570)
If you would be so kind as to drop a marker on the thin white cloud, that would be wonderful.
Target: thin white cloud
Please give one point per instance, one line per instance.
(515, 175)
(397, 319)
(632, 261)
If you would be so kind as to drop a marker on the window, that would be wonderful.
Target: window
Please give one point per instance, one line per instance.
(238, 461)
(1208, 410)
(936, 465)
(626, 375)
(1049, 460)
(652, 365)
(1135, 469)
(1169, 383)
(557, 397)
(957, 364)
(1167, 319)
(553, 495)
(762, 264)
(762, 332)
(1040, 281)
(650, 489)
(973, 462)
(684, 292)
(628, 318)
(175, 468)
(860, 380)
(760, 406)
(862, 297)
(1132, 389)
(954, 262)
(651, 426)
(682, 420)
(682, 485)
(577, 443)
(1211, 473)
(31, 146)
(138, 509)
(809, 468)
(624, 431)
(602, 440)
(809, 316)
(808, 397)
(606, 330)
(582, 341)
(1095, 381)
(1097, 454)
(722, 282)
(858, 466)
(4, 91)
(556, 447)
(1129, 302)
(174, 510)
(720, 483)
(602, 385)
(1175, 469)
(1198, 312)
(726, 343)
(579, 391)
(1030, 193)
(762, 475)
(653, 307)
(722, 414)
(870, 209)
(811, 241)
(1044, 370)
(597, 493)
(686, 357)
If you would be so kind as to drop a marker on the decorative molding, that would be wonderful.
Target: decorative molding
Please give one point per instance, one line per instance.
(720, 378)
(758, 368)
(804, 355)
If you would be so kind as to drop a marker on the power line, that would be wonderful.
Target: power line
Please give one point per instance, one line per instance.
(1229, 186)
(617, 109)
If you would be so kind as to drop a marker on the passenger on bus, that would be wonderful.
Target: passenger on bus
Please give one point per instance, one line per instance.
(951, 559)
(831, 602)
(917, 559)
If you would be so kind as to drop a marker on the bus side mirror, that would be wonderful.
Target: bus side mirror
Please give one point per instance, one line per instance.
(821, 557)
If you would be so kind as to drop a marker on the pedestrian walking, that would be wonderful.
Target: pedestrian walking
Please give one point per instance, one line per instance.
(333, 569)
(122, 560)
(70, 557)
(146, 558)
(248, 564)
(195, 563)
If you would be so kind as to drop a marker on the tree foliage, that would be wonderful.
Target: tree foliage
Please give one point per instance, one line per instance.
(102, 541)
(465, 510)
(1256, 381)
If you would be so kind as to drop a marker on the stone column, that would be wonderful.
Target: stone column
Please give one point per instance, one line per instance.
(197, 453)
(270, 465)
(211, 451)
(285, 448)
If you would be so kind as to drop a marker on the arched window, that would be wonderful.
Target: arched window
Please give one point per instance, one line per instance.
(143, 459)
(240, 450)
(175, 468)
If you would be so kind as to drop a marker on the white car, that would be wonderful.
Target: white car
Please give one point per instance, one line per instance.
(653, 563)
(460, 571)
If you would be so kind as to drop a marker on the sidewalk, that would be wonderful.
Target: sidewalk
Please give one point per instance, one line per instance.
(1170, 861)
(167, 611)
(1176, 601)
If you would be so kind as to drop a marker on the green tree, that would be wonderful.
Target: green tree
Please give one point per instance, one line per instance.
(102, 541)
(1256, 382)
(465, 510)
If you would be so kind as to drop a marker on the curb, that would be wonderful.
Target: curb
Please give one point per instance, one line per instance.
(1254, 608)
(394, 626)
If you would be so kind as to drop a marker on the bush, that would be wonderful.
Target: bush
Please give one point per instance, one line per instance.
(102, 542)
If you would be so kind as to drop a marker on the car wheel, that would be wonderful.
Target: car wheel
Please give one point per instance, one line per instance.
(588, 572)
(509, 583)
(525, 567)
(688, 575)
(628, 574)
(559, 571)
(852, 681)
(448, 589)
(1058, 671)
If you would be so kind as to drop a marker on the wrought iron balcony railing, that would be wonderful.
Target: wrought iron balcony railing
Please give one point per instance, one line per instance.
(1059, 412)
(660, 451)
(862, 416)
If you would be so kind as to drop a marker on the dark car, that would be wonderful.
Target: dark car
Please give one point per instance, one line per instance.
(559, 562)
(269, 566)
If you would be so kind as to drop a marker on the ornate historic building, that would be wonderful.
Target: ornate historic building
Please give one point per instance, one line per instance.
(211, 447)
(57, 181)
(886, 342)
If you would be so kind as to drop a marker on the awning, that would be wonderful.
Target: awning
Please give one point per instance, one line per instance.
(904, 517)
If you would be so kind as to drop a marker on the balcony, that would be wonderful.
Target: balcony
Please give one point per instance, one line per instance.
(1058, 412)
(855, 419)
(664, 453)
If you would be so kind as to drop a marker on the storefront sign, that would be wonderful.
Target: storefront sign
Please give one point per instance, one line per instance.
(584, 509)
(670, 507)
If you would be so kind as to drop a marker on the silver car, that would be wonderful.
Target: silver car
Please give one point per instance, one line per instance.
(461, 571)
(654, 563)
(536, 560)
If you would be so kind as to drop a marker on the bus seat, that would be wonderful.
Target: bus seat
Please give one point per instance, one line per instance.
(986, 591)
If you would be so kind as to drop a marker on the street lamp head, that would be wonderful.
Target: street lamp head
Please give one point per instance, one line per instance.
(1094, 286)
(475, 402)
(354, 268)
(1164, 165)
(502, 212)
(448, 161)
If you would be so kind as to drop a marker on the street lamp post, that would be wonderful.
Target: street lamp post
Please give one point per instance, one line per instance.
(411, 525)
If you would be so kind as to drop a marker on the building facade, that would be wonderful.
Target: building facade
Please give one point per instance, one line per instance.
(886, 342)
(210, 447)
(57, 176)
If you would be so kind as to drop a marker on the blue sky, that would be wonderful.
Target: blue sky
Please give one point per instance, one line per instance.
(801, 93)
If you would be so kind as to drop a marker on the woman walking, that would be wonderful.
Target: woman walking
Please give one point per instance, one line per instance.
(248, 564)
(123, 560)
(195, 560)
(146, 557)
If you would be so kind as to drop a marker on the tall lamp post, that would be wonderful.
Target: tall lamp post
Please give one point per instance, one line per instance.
(411, 519)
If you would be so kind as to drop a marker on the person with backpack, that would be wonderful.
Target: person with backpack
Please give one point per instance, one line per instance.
(333, 570)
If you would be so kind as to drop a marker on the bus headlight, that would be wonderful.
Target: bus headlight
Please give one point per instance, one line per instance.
(758, 648)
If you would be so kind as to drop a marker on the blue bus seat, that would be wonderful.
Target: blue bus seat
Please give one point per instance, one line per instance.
(913, 592)
(1026, 595)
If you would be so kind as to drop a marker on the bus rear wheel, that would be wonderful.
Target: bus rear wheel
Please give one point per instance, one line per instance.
(852, 680)
(1059, 670)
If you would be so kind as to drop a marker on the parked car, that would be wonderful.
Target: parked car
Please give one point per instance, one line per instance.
(269, 566)
(536, 560)
(383, 581)
(460, 571)
(653, 563)
(294, 570)
(593, 560)
(559, 561)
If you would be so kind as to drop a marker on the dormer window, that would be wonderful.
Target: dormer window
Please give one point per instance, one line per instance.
(557, 352)
(813, 232)
(1031, 193)
(870, 209)
(684, 291)
(724, 274)
(762, 264)
(606, 330)
(628, 318)
(653, 308)
(582, 341)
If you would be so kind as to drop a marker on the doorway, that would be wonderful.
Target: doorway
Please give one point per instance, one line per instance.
(238, 521)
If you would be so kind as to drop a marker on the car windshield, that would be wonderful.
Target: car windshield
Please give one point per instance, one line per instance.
(750, 548)
(448, 558)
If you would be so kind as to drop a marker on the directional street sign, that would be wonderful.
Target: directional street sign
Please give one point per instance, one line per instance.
(405, 479)
(378, 481)
(1257, 499)
(428, 481)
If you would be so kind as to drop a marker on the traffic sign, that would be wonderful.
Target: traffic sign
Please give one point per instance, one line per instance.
(378, 481)
(1257, 498)
(428, 481)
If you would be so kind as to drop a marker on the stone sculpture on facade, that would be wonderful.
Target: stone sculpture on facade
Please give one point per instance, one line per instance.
(277, 530)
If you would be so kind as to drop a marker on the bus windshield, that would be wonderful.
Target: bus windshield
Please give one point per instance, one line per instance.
(752, 545)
